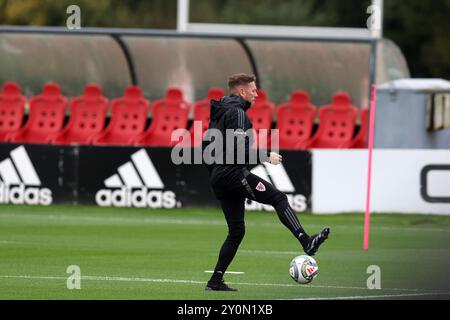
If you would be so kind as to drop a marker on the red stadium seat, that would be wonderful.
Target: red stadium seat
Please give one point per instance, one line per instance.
(295, 121)
(261, 115)
(128, 119)
(87, 117)
(336, 124)
(262, 100)
(172, 94)
(12, 104)
(361, 139)
(202, 113)
(169, 114)
(47, 112)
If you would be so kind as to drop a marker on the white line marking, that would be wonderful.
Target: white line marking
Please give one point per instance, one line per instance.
(138, 279)
(8, 242)
(271, 252)
(226, 272)
(379, 296)
(193, 221)
(107, 220)
(103, 278)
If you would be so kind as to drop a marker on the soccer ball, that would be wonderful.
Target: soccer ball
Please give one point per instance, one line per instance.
(303, 269)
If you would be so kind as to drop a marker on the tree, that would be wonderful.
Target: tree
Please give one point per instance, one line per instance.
(420, 28)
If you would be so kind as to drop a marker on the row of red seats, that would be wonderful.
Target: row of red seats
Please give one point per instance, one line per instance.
(129, 115)
(88, 116)
(296, 118)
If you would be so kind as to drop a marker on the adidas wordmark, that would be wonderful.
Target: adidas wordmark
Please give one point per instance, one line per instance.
(132, 186)
(20, 183)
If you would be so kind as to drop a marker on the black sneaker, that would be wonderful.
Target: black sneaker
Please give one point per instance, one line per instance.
(315, 241)
(218, 286)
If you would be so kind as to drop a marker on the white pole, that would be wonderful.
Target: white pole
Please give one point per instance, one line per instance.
(182, 15)
(378, 13)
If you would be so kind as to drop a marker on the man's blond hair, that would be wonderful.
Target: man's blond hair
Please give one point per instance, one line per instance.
(240, 79)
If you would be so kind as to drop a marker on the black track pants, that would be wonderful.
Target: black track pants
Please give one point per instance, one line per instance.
(233, 206)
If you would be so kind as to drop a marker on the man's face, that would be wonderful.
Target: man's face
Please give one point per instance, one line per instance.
(248, 92)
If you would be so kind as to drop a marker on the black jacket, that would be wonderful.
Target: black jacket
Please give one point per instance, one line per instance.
(229, 166)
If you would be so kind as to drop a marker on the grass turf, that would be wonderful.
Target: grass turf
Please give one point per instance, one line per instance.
(163, 254)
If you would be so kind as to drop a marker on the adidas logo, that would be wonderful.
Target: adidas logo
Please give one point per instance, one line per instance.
(19, 182)
(130, 186)
(277, 175)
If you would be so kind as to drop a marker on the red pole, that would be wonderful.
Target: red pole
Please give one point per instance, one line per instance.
(369, 170)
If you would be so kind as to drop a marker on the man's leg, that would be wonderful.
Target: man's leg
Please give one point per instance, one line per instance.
(264, 192)
(233, 209)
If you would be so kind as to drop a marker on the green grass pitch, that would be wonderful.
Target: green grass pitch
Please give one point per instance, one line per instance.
(163, 254)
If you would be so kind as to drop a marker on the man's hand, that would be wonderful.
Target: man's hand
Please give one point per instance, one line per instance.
(275, 158)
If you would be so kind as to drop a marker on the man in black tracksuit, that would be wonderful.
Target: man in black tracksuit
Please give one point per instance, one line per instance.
(231, 180)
